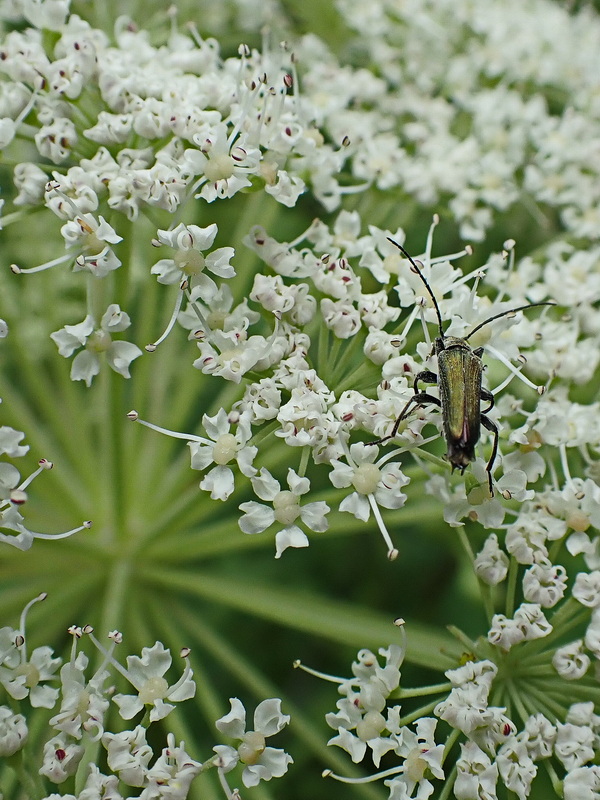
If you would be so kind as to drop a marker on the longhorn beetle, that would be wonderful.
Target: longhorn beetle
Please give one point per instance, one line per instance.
(459, 380)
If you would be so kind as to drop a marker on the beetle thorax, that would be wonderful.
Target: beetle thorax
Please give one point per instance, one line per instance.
(450, 343)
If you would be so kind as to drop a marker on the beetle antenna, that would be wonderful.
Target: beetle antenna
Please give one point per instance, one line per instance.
(427, 286)
(505, 314)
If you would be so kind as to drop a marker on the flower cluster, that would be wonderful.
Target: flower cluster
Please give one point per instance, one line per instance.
(367, 301)
(82, 699)
(512, 715)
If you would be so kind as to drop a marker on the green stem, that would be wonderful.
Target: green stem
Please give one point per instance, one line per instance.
(423, 711)
(449, 782)
(438, 688)
(511, 587)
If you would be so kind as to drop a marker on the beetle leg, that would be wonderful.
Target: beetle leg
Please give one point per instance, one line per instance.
(417, 400)
(491, 426)
(485, 394)
(424, 377)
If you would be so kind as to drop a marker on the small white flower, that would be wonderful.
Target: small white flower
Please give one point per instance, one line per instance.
(504, 632)
(29, 677)
(491, 563)
(570, 661)
(92, 240)
(341, 316)
(221, 449)
(466, 707)
(260, 762)
(61, 758)
(516, 767)
(98, 785)
(592, 635)
(582, 783)
(287, 188)
(189, 261)
(545, 584)
(381, 480)
(541, 736)
(422, 760)
(476, 776)
(49, 14)
(359, 720)
(172, 773)
(84, 703)
(530, 619)
(231, 354)
(285, 510)
(128, 754)
(575, 744)
(97, 342)
(224, 163)
(9, 442)
(587, 589)
(146, 674)
(56, 140)
(13, 732)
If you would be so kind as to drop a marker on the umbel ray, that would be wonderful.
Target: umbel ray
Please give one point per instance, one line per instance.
(459, 380)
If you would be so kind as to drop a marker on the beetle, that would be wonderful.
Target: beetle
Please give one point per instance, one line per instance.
(459, 376)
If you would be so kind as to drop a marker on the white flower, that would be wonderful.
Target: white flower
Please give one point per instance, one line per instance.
(341, 316)
(61, 758)
(515, 767)
(582, 783)
(189, 262)
(260, 762)
(224, 163)
(13, 732)
(129, 754)
(99, 785)
(422, 760)
(477, 774)
(221, 449)
(541, 736)
(92, 240)
(217, 309)
(83, 704)
(575, 744)
(570, 661)
(29, 677)
(587, 588)
(380, 480)
(231, 354)
(172, 773)
(466, 707)
(50, 14)
(86, 364)
(491, 563)
(504, 632)
(285, 510)
(364, 699)
(530, 619)
(545, 584)
(146, 674)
